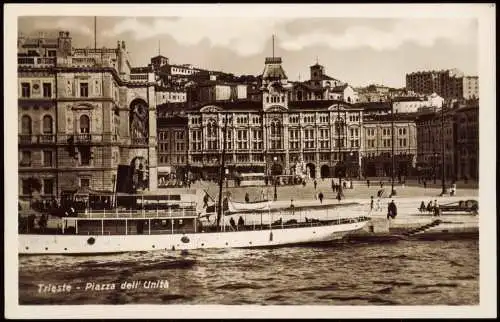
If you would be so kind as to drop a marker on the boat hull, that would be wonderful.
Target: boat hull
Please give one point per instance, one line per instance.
(102, 244)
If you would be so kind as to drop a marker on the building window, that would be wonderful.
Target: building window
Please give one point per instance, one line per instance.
(84, 183)
(47, 90)
(26, 125)
(242, 140)
(84, 89)
(47, 124)
(26, 158)
(25, 90)
(26, 187)
(48, 186)
(85, 155)
(84, 124)
(47, 158)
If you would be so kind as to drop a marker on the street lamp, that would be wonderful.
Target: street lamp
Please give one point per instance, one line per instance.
(434, 159)
(275, 180)
(393, 191)
(351, 170)
(443, 187)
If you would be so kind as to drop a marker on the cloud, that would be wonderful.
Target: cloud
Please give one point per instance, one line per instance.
(423, 32)
(68, 23)
(249, 36)
(244, 36)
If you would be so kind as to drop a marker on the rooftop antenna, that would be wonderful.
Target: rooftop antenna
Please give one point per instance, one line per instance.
(299, 77)
(95, 32)
(317, 63)
(159, 46)
(273, 45)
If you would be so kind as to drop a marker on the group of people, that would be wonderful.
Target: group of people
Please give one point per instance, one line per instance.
(431, 207)
(392, 209)
(241, 223)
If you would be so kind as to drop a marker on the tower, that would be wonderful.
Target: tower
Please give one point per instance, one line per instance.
(317, 72)
(275, 85)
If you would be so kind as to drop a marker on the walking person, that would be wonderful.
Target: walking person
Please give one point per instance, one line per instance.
(247, 197)
(320, 196)
(379, 206)
(392, 210)
(315, 184)
(371, 204)
(368, 183)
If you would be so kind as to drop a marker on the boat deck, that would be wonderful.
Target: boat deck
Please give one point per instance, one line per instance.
(105, 226)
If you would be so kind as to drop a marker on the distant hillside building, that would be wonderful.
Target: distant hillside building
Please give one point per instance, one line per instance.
(446, 83)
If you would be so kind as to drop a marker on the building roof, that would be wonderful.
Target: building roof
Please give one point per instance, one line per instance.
(273, 69)
(236, 105)
(308, 86)
(326, 77)
(340, 88)
(407, 99)
(315, 104)
(373, 105)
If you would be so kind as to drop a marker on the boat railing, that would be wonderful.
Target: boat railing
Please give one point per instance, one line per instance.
(137, 214)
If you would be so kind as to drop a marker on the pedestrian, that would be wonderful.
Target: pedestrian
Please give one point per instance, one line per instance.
(350, 184)
(379, 206)
(368, 183)
(422, 207)
(381, 184)
(392, 210)
(262, 196)
(247, 198)
(371, 203)
(205, 200)
(320, 196)
(339, 197)
(436, 208)
(425, 184)
(315, 184)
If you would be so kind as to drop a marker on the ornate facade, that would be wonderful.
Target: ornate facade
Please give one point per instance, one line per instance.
(276, 133)
(83, 113)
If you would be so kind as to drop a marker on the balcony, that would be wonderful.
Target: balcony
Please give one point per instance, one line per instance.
(83, 138)
(47, 138)
(36, 61)
(139, 77)
(37, 139)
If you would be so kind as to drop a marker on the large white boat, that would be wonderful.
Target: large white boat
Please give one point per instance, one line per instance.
(160, 223)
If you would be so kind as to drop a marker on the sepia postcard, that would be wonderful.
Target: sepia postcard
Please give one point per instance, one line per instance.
(250, 160)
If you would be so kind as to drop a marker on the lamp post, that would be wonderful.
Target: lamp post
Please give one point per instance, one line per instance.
(434, 165)
(275, 180)
(393, 191)
(443, 186)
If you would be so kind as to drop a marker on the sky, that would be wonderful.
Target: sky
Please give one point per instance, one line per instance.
(359, 51)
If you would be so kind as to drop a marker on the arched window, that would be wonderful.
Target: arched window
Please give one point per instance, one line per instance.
(47, 125)
(84, 124)
(26, 125)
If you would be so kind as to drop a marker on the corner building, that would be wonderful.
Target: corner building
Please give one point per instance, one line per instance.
(83, 113)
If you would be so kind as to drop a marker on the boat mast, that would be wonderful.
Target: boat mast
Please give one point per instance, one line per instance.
(221, 170)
